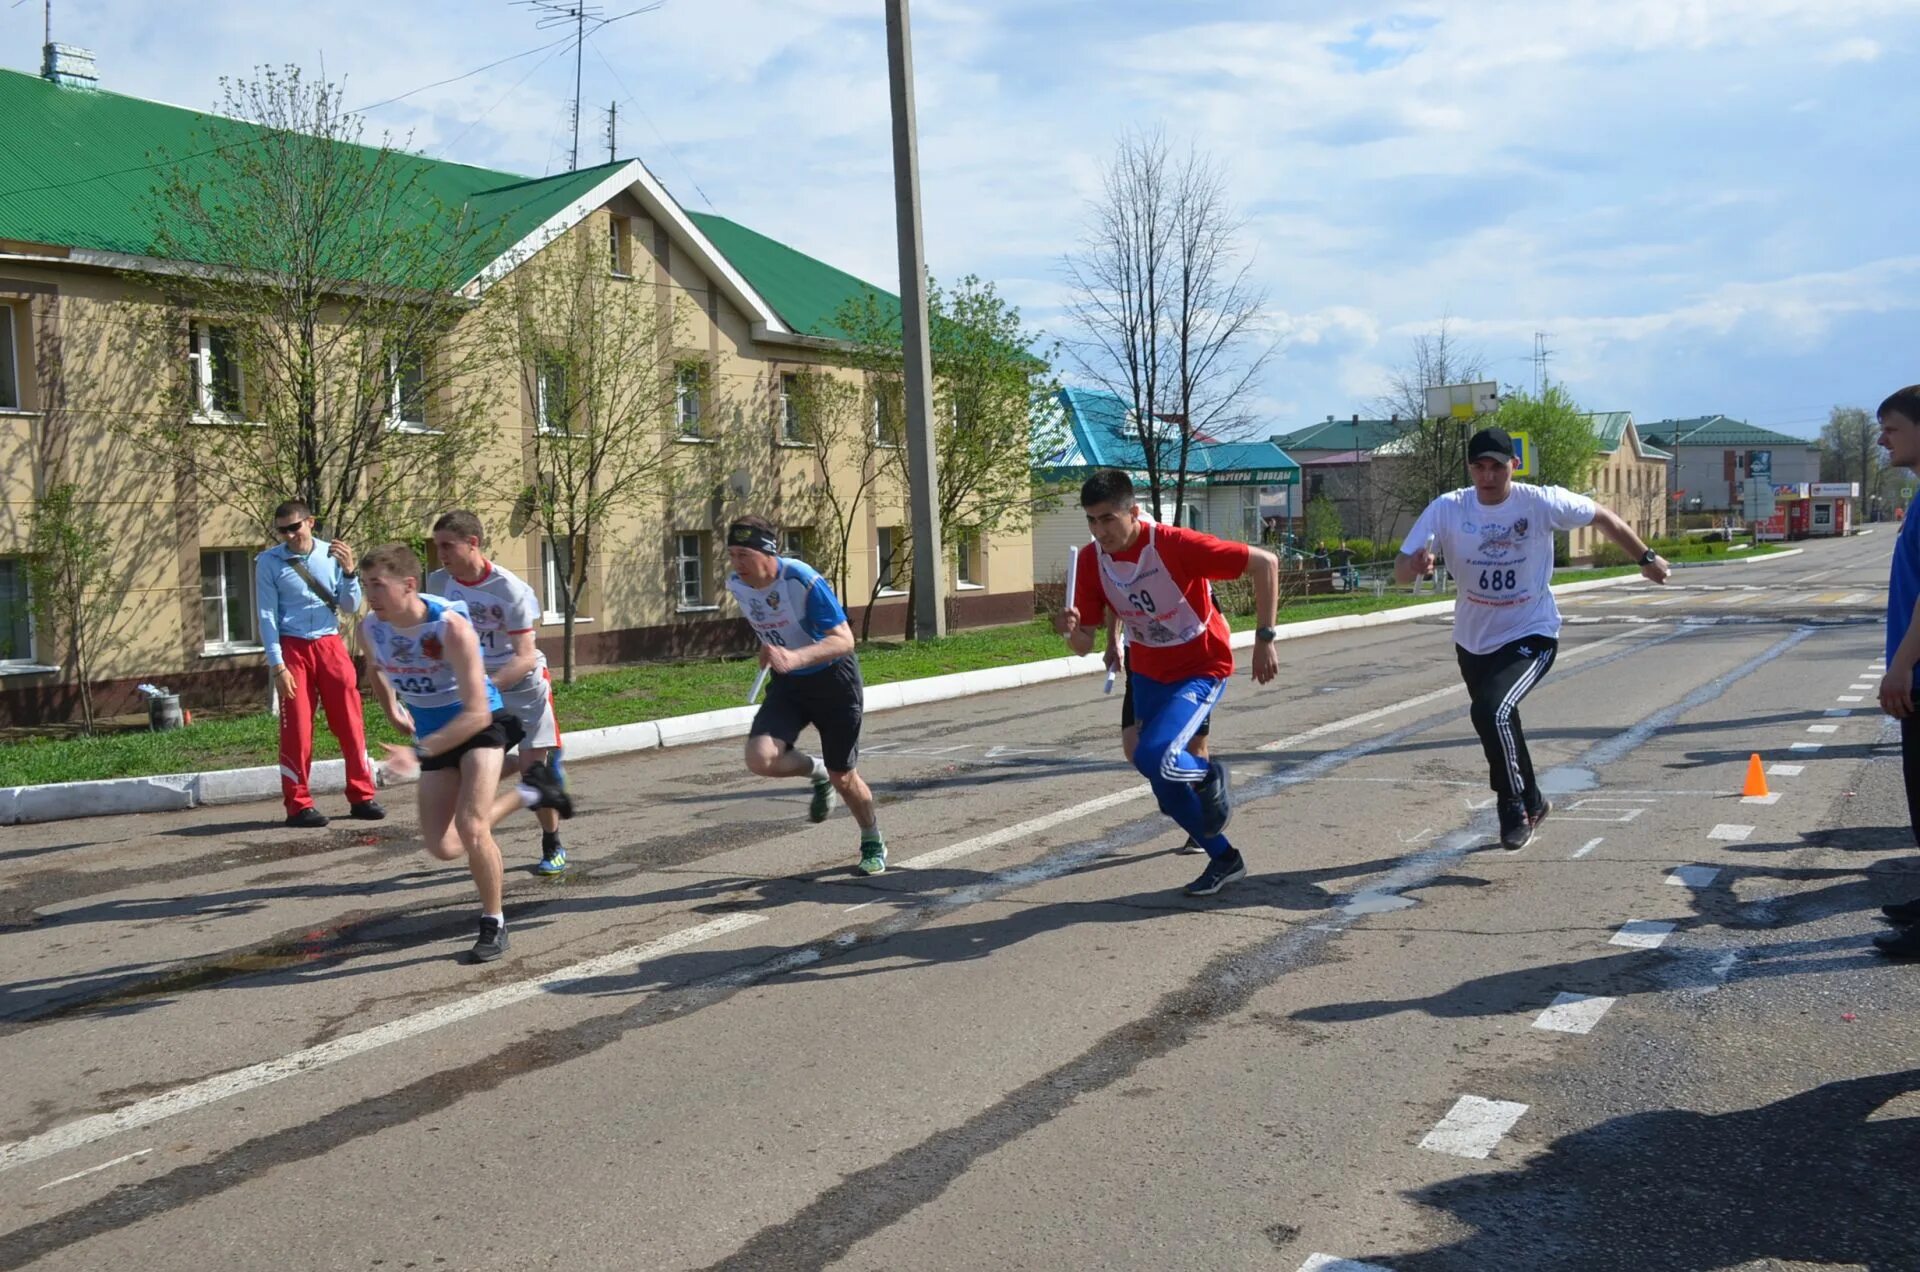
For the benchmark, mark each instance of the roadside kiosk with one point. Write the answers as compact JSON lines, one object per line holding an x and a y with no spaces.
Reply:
{"x":1810,"y":510}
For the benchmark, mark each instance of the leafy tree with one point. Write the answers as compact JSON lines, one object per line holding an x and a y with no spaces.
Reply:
{"x":1850,"y":450}
{"x":1430,"y":457}
{"x":70,"y":563}
{"x":1565,"y":448}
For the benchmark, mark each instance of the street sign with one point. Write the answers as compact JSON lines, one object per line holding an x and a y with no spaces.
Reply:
{"x":1756,"y":503}
{"x":1523,"y":452}
{"x":1760,"y":464}
{"x":1462,"y":401}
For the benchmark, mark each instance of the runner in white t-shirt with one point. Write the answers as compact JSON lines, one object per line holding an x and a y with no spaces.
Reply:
{"x":505,"y":612}
{"x":1497,"y":539}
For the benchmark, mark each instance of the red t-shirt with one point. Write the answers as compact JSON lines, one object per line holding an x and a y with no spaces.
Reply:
{"x":1191,"y":559}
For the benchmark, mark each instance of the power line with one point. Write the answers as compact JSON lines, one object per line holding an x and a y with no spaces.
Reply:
{"x":664,"y":145}
{"x":361,"y":110}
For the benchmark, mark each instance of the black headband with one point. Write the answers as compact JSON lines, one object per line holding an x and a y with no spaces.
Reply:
{"x":742,"y":535}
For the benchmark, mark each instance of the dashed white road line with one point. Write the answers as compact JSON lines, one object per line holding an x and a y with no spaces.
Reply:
{"x":1642,"y":934}
{"x":1851,"y":697}
{"x":1730,"y":832}
{"x":1785,"y":770}
{"x":1693,"y":876}
{"x":1771,"y":797}
{"x":1473,"y":1127}
{"x":1573,"y":1013}
{"x":93,"y":1170}
{"x":1864,"y":688}
{"x":1823,"y":728}
{"x":1587,"y":847}
{"x":966,"y":847}
{"x":237,"y":1081}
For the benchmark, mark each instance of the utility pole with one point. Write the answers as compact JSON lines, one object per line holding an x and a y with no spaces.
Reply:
{"x":613,"y":135}
{"x":1540,"y":355}
{"x":930,"y":608}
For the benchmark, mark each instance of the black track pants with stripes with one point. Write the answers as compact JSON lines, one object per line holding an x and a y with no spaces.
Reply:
{"x":1497,"y":681}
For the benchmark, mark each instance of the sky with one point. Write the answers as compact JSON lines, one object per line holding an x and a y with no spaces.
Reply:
{"x":1703,"y":204}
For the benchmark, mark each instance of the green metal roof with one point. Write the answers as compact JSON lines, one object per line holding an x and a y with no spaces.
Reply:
{"x":1343,"y":435}
{"x":805,"y":292}
{"x":1610,"y":429}
{"x":1718,"y":430}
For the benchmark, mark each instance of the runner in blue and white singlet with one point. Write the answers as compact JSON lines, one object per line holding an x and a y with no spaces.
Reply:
{"x":413,"y":659}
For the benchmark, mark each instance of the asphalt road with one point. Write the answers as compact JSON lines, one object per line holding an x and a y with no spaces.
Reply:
{"x":1655,"y":1039}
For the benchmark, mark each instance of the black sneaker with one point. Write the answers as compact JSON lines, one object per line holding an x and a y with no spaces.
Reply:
{"x":369,"y":811}
{"x":1902,"y":944}
{"x":308,"y":818}
{"x":1903,"y":911}
{"x":540,"y":779}
{"x":1538,"y":814}
{"x":493,"y":941}
{"x":1220,"y":872}
{"x":1216,"y":803}
{"x":1516,"y":828}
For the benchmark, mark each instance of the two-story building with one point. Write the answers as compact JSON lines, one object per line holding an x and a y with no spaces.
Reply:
{"x":1713,"y":456}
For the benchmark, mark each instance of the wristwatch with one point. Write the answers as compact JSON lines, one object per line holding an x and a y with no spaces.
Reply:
{"x":1649,"y":557}
{"x":1264,"y":635}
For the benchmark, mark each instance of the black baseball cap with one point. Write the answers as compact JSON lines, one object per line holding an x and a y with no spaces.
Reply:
{"x":1490,"y":441}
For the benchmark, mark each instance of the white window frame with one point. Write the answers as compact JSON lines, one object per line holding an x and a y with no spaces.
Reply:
{"x":686,"y":402}
{"x":967,"y":555}
{"x":886,"y":546}
{"x":550,"y":586}
{"x":1250,"y":524}
{"x":396,"y":395}
{"x":11,"y":399}
{"x":619,"y":247}
{"x":200,"y":359}
{"x":791,"y":432}
{"x":228,"y":643}
{"x":880,"y":437}
{"x":25,"y":661}
{"x":690,"y":566}
{"x":793,"y":542}
{"x":545,"y":370}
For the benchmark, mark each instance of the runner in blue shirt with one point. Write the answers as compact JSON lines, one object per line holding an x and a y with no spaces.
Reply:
{"x":1900,"y":435}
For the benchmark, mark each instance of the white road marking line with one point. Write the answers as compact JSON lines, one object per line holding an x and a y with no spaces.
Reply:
{"x":1866,"y":688}
{"x":967,"y":847}
{"x":1805,"y":746}
{"x":1855,"y":598}
{"x":93,"y":1170}
{"x":1771,"y":797}
{"x":1823,"y":728}
{"x":1642,"y":934}
{"x":1693,"y":876}
{"x":1587,"y":847}
{"x":1573,"y":1013}
{"x":237,"y":1081}
{"x":1334,"y":726}
{"x":1785,"y":770}
{"x":1850,"y":697}
{"x":1334,"y":1263}
{"x":863,"y":905}
{"x":1473,"y":1126}
{"x":1730,"y":832}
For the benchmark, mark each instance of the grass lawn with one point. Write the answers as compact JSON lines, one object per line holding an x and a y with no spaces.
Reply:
{"x":616,"y":695}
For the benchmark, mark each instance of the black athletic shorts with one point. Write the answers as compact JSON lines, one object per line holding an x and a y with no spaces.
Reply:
{"x":1126,"y":703}
{"x":831,"y":700}
{"x":503,"y":731}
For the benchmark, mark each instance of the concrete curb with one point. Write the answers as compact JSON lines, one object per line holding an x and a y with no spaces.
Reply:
{"x":59,"y":801}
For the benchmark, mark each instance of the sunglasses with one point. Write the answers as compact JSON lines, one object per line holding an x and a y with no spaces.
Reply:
{"x":292,"y":529}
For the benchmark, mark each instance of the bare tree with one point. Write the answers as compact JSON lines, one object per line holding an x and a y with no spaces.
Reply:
{"x":834,"y":418}
{"x":70,"y":563}
{"x":1850,"y":450}
{"x":311,"y":336}
{"x":1167,"y":312}
{"x":1431,"y":455}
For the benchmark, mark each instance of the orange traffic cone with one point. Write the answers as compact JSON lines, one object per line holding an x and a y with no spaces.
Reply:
{"x":1756,"y":778}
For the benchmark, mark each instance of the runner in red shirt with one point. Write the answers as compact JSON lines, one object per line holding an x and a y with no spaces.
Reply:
{"x":1154,"y":578}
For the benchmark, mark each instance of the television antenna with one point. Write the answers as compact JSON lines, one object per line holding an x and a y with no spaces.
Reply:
{"x":586,"y":20}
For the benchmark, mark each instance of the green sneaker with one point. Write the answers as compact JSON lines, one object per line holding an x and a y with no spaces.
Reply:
{"x":873,"y":857}
{"x":553,"y":863}
{"x":823,"y":798}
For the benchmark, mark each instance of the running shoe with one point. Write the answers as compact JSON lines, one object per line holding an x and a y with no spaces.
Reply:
{"x":1902,"y":944}
{"x":1216,"y":803}
{"x":1537,"y":815}
{"x":493,"y":940}
{"x":1189,"y":848}
{"x":823,"y":800}
{"x":1516,"y":828}
{"x":873,"y":858}
{"x":552,"y":863}
{"x":539,"y":779}
{"x":1220,"y":872}
{"x":1902,"y":911}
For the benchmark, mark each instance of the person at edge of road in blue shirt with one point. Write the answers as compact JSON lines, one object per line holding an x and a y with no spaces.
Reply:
{"x":308,"y":662}
{"x":432,"y":684}
{"x":1496,"y":536}
{"x":806,"y":649}
{"x":1900,"y":436}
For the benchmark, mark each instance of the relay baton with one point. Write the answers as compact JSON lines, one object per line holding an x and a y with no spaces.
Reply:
{"x":759,"y":682}
{"x":1073,"y":569}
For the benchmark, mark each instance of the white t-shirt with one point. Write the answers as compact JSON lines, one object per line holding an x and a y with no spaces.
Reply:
{"x":501,"y":606}
{"x":1501,"y":557}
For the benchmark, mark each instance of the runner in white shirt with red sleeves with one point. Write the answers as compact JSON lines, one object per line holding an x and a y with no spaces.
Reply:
{"x":505,"y":612}
{"x":1497,"y":539}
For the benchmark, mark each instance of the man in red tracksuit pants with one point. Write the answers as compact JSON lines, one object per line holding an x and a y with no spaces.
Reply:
{"x":303,"y":586}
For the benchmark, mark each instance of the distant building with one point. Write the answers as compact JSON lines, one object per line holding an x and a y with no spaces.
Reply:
{"x":1711,"y":455}
{"x":1631,"y":479}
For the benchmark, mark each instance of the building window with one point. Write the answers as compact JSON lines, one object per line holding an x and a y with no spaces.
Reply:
{"x":690,"y":570}
{"x":9,"y":362}
{"x":16,"y":613}
{"x":793,"y":543}
{"x":556,"y":568}
{"x":886,"y":420}
{"x":889,"y":561}
{"x":966,"y":560}
{"x":790,"y":430}
{"x":226,"y":600}
{"x":218,"y":390}
{"x":1250,"y":514}
{"x":551,"y":408}
{"x":686,"y":398}
{"x":620,"y":247}
{"x":407,"y":381}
